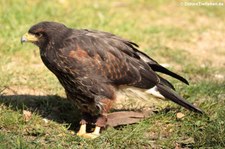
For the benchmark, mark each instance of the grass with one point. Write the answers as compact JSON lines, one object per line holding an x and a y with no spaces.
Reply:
{"x":190,"y":40}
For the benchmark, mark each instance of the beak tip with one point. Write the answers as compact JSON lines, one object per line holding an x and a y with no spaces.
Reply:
{"x":28,"y":38}
{"x":23,"y":39}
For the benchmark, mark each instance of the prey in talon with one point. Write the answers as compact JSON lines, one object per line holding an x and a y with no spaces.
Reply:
{"x":93,"y":66}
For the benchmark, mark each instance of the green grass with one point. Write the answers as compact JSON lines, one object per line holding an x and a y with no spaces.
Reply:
{"x":189,"y":39}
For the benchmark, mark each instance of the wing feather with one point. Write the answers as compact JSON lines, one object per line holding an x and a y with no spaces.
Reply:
{"x":117,"y":61}
{"x":131,"y":50}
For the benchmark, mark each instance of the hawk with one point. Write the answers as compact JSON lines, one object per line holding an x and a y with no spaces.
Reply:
{"x":93,"y":65}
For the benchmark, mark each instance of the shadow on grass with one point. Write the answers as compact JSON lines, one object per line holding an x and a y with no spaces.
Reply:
{"x":51,"y":107}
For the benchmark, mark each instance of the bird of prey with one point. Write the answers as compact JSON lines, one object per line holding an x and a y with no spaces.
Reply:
{"x":93,"y":65}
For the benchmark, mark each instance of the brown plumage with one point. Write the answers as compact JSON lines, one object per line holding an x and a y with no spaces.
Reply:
{"x":92,"y":65}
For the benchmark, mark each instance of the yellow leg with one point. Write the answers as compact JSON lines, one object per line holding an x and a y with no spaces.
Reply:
{"x":93,"y":135}
{"x":82,"y":130}
{"x":97,"y":130}
{"x":100,"y":122}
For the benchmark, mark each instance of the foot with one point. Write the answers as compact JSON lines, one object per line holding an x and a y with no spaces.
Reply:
{"x":93,"y":135}
{"x":90,"y":136}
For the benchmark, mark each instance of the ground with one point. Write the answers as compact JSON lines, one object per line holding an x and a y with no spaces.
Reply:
{"x":186,"y":39}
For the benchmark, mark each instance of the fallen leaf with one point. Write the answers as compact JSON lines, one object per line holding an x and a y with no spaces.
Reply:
{"x":27,"y":115}
{"x":45,"y":120}
{"x":180,"y":115}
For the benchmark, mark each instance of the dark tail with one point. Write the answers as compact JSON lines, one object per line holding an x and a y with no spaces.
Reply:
{"x":165,"y":82}
{"x":170,"y":94}
{"x":156,"y":67}
{"x":159,"y":68}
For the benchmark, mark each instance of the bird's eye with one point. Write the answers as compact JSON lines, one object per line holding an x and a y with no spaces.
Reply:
{"x":38,"y":34}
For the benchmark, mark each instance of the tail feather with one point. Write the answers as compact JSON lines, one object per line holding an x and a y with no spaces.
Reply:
{"x":159,"y":68}
{"x":166,"y":82}
{"x":156,"y":67}
{"x":170,"y":94}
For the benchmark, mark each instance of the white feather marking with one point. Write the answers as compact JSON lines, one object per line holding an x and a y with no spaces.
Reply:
{"x":154,"y":91}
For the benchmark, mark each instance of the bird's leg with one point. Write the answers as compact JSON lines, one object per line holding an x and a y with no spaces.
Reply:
{"x":83,"y":123}
{"x":82,"y":129}
{"x":97,"y":130}
{"x":100,"y":122}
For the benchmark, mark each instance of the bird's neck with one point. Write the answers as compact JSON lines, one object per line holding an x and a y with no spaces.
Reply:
{"x":48,"y":56}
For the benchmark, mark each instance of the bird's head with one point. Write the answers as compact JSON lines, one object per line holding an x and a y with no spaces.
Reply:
{"x":42,"y":33}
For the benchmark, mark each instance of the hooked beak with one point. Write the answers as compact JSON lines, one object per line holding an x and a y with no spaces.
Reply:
{"x":28,"y":38}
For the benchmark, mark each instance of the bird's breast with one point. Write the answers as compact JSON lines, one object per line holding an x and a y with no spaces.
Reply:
{"x":55,"y":60}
